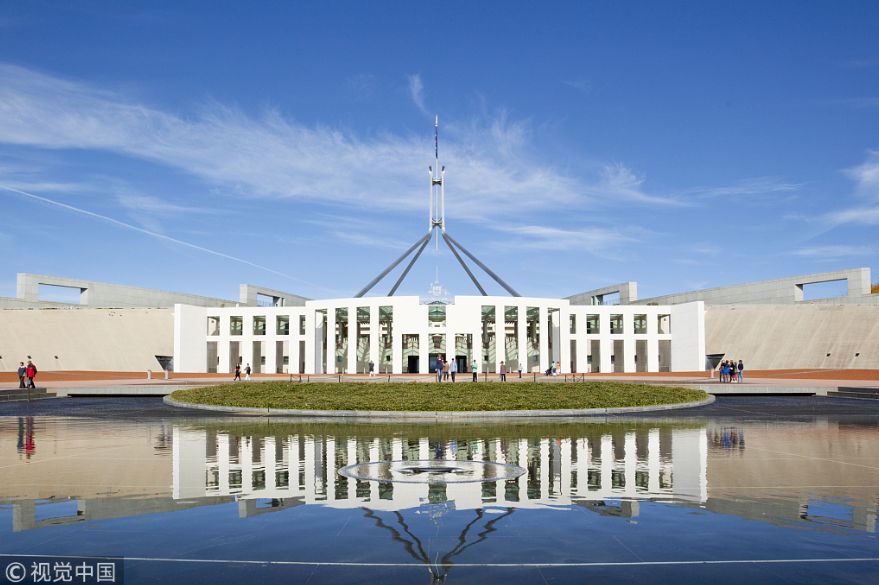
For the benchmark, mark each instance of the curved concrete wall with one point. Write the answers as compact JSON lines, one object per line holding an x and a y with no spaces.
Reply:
{"x":125,"y":340}
{"x":795,"y":336}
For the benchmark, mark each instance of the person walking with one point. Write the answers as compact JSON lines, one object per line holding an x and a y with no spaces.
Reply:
{"x":31,"y":373}
{"x":453,"y":368}
{"x":439,"y":368}
{"x":503,"y":372}
{"x":22,"y":372}
{"x":740,"y":369}
{"x":446,"y":370}
{"x":237,"y":377}
{"x":371,"y":369}
{"x":247,"y":373}
{"x":520,"y":368}
{"x":473,"y":369}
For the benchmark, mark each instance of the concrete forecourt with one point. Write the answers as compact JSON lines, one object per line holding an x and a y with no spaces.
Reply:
{"x":454,"y":401}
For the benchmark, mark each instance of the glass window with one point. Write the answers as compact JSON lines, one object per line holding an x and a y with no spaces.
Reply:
{"x":640,"y":324}
{"x":213,"y":325}
{"x":259,"y":325}
{"x":283,"y":325}
{"x":236,"y":325}
{"x":436,"y":315}
{"x":663,"y":324}
{"x":573,"y":325}
{"x":592,"y":324}
{"x":301,"y":324}
{"x":616,"y":324}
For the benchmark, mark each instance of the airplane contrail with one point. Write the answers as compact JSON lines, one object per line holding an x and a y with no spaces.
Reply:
{"x":153,"y":234}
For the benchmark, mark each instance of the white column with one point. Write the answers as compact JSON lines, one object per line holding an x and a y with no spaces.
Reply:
{"x":374,"y":337}
{"x":582,"y":466}
{"x":544,"y":469}
{"x":478,"y":352}
{"x":423,"y":353}
{"x":630,"y":462}
{"x":295,"y":464}
{"x":606,"y":350}
{"x":223,"y":462}
{"x":352,"y":340}
{"x":270,"y":464}
{"x":607,"y":462}
{"x":565,"y":479}
{"x":523,"y":463}
{"x":654,"y":468}
{"x":245,"y":456}
{"x":522,"y":317}
{"x":311,"y":360}
{"x":331,"y":341}
{"x":479,"y":451}
{"x":629,"y":351}
{"x":652,"y":353}
{"x":500,"y":337}
{"x":544,"y":331}
{"x":565,"y":339}
{"x":582,"y":344}
{"x":223,"y":352}
{"x":330,"y":466}
{"x":308,"y":465}
{"x":352,"y":459}
{"x":374,"y":455}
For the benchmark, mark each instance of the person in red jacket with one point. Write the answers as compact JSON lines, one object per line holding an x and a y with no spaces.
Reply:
{"x":31,"y":373}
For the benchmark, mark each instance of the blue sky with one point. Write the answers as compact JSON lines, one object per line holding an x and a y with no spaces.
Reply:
{"x":195,"y":146}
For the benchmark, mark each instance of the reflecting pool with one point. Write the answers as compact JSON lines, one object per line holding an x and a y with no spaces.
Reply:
{"x":650,"y":500}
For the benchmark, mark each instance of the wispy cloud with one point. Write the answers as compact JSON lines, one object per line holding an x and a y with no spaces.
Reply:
{"x":834,"y":252}
{"x":749,"y":187}
{"x":583,"y":86}
{"x":858,"y":103}
{"x":416,"y":92}
{"x":617,"y":181}
{"x":594,"y":240}
{"x":866,"y":189}
{"x":154,"y":205}
{"x":152,"y":234}
{"x":360,"y":232}
{"x":491,"y":163}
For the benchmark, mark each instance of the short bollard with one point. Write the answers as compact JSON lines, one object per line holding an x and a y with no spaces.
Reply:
{"x":167,"y":374}
{"x":149,"y":374}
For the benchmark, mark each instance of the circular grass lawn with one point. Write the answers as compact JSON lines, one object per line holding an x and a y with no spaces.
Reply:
{"x":412,"y":396}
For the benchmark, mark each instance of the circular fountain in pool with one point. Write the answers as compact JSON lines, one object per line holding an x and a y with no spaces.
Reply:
{"x":432,"y":471}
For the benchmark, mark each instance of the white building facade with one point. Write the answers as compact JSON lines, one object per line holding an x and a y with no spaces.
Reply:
{"x":404,"y":335}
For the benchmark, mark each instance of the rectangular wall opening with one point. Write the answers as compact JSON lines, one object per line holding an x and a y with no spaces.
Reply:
{"x":410,"y":353}
{"x":641,"y":355}
{"x":830,"y":289}
{"x":212,"y":359}
{"x":665,"y":355}
{"x":594,"y":357}
{"x":619,"y":356}
{"x":234,"y":355}
{"x":60,"y":294}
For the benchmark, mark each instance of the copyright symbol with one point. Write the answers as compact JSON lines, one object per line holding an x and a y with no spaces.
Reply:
{"x":15,"y":572}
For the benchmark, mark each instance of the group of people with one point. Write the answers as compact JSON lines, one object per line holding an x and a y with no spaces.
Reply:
{"x":446,"y":368}
{"x":247,"y":371}
{"x":553,"y":369}
{"x":730,"y":371}
{"x":28,"y":372}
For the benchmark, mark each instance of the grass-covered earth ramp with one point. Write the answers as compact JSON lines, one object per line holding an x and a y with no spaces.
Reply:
{"x":412,"y":396}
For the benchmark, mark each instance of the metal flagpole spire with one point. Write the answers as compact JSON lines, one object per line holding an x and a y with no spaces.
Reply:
{"x":437,"y":222}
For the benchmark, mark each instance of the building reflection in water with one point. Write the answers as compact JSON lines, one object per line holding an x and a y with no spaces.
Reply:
{"x":302,"y":469}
